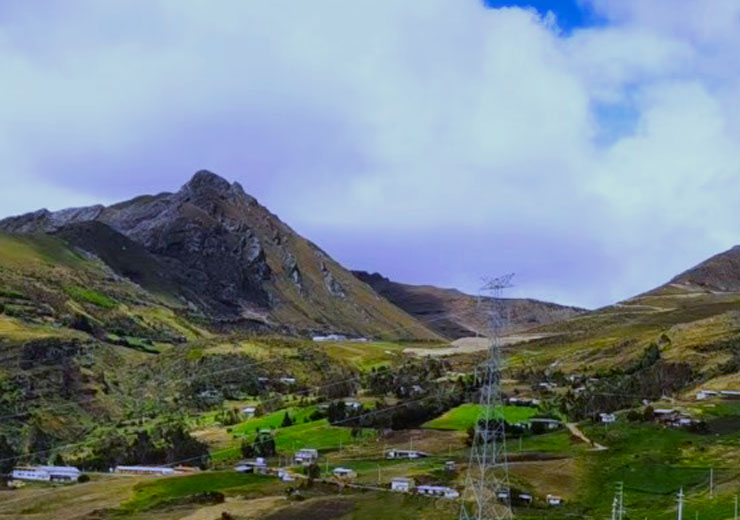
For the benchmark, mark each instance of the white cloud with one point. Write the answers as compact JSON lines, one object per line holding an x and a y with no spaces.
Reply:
{"x":461,"y":141}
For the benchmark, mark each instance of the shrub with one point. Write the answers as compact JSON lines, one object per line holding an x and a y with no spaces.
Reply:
{"x":81,"y":294}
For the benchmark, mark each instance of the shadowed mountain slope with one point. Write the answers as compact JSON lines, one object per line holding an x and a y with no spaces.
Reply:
{"x":455,"y":314}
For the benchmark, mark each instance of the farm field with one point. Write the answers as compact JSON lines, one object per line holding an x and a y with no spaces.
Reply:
{"x":465,"y":415}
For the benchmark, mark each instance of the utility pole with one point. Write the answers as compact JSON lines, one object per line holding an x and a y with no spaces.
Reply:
{"x":735,"y":507}
{"x":488,"y":467}
{"x":379,"y":475}
{"x":680,"y":504}
{"x":711,"y":482}
{"x":619,"y":498}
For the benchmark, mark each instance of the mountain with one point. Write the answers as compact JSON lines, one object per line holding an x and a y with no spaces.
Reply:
{"x":688,"y":326}
{"x":214,"y":250}
{"x":454,"y":314}
{"x":719,"y":273}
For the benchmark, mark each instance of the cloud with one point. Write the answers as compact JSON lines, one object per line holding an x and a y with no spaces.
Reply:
{"x":434,"y":141}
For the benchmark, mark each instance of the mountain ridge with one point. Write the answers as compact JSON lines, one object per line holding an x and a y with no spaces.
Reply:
{"x":216,"y":248}
{"x":455,"y":314}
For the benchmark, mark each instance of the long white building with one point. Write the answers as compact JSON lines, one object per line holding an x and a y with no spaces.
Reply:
{"x":47,"y":473}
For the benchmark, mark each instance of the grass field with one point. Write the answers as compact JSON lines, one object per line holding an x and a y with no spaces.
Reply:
{"x":314,"y":434}
{"x":465,"y":415}
{"x":364,"y":356}
{"x":148,"y":495}
{"x":272,"y":421}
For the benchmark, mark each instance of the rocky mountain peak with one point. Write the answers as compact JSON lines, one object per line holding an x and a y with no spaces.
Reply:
{"x":206,"y":185}
{"x":205,"y":180}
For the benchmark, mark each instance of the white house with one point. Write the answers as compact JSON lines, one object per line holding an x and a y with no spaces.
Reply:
{"x":523,"y":401}
{"x":526,"y":498}
{"x":730,"y":393}
{"x":405,"y":454}
{"x":306,"y":456}
{"x":608,"y":418}
{"x":402,"y":484}
{"x":705,"y":394}
{"x":352,"y":404}
{"x":437,"y":491}
{"x":47,"y":473}
{"x":554,"y":500}
{"x":285,"y":476}
{"x":450,"y":465}
{"x":145,"y":470}
{"x":288,"y":380}
{"x":344,"y":473}
{"x":249,"y":411}
{"x":504,"y":495}
{"x":256,"y":466}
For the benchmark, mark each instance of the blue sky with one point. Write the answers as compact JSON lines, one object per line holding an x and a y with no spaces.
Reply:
{"x":435,"y":142}
{"x":571,"y":14}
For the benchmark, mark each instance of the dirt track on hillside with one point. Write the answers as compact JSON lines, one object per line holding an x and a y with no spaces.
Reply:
{"x":472,"y":345}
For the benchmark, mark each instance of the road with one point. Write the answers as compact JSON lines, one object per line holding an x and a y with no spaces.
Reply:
{"x":576,"y":431}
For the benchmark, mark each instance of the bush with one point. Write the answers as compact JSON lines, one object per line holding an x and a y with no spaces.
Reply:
{"x":81,"y":294}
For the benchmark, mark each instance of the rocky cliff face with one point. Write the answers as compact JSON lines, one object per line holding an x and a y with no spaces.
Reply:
{"x":454,"y":314}
{"x":216,"y":248}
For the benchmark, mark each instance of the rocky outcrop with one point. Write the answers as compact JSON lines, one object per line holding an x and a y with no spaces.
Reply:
{"x":219,"y":250}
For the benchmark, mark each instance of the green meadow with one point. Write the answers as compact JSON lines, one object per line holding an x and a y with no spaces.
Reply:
{"x":465,"y":415}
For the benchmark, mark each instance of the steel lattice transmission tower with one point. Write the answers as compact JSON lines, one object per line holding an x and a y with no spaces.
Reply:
{"x":487,"y":495}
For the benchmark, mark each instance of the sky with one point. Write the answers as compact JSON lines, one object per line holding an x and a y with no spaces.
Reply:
{"x":590,"y":146}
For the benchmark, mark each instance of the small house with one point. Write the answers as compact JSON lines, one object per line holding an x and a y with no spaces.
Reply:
{"x":249,"y":411}
{"x":256,"y":466}
{"x":706,"y":394}
{"x":306,"y":456}
{"x":525,"y":498}
{"x":548,"y":424}
{"x":503,"y":495}
{"x":608,"y":418}
{"x":554,"y":500}
{"x":285,"y":475}
{"x":287,"y":380}
{"x":352,"y":404}
{"x":450,"y":465}
{"x":732,"y":394}
{"x":437,"y":491}
{"x":405,"y":454}
{"x":344,"y":473}
{"x":523,"y":401}
{"x":402,"y":484}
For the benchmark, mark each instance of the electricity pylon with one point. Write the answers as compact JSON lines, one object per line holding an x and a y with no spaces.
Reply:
{"x":487,"y":495}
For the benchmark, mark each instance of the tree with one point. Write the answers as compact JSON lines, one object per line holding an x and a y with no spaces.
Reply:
{"x":7,"y":458}
{"x":287,"y":421}
{"x":313,"y":472}
{"x":264,"y":445}
{"x":247,"y":449}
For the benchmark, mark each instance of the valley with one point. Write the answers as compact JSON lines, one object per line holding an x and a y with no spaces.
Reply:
{"x":243,"y":373}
